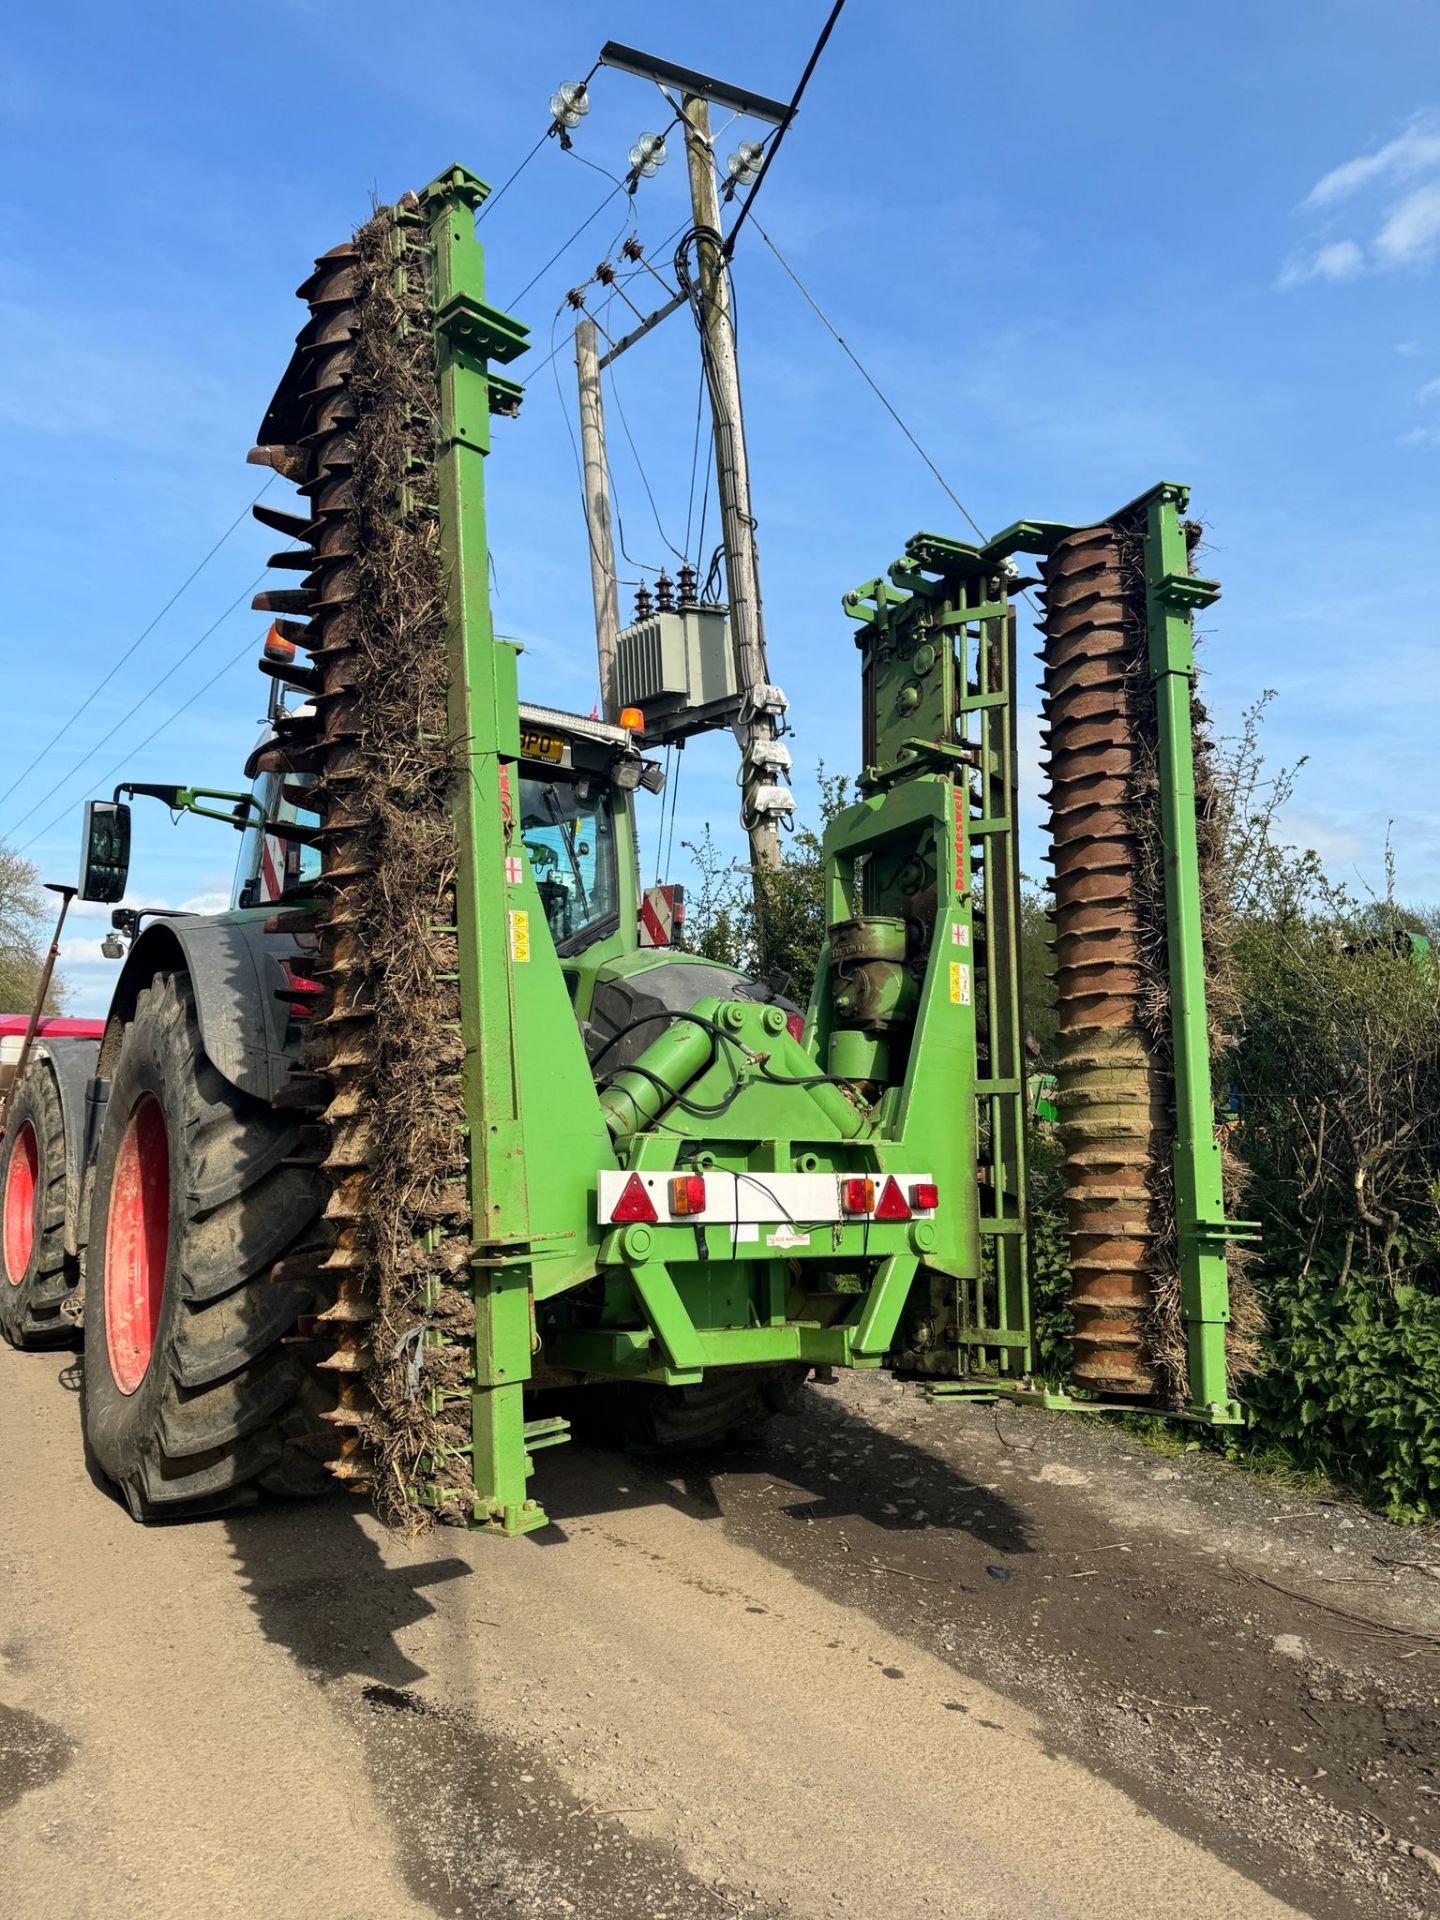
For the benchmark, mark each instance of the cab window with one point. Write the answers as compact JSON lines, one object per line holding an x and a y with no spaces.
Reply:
{"x":269,"y":864}
{"x":246,"y":890}
{"x":569,"y":836}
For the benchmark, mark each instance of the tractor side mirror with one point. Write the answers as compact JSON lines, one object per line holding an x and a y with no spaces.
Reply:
{"x":105,"y":854}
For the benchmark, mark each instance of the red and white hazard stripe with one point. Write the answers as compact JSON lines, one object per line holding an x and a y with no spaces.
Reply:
{"x":270,"y":868}
{"x":661,"y":911}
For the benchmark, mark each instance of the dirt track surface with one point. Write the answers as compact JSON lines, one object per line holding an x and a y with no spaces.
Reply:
{"x":904,"y":1660}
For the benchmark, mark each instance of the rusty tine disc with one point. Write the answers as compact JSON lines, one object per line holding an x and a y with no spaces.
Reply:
{"x":291,"y":526}
{"x":1110,"y":1094}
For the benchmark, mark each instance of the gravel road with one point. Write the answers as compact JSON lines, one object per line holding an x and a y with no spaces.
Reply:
{"x":901,"y":1660}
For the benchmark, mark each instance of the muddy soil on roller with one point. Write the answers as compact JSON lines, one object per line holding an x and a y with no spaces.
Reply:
{"x":903,"y":1659}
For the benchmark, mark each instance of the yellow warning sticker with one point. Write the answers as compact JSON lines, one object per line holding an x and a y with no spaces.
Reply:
{"x":519,"y":935}
{"x":959,"y":983}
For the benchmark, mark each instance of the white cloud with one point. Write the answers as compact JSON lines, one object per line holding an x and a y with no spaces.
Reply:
{"x":82,"y":953}
{"x":1411,"y":231}
{"x":1339,"y":260}
{"x":1430,"y":391}
{"x":1420,"y":437}
{"x":1408,"y":229}
{"x":1411,"y":153}
{"x":211,"y":900}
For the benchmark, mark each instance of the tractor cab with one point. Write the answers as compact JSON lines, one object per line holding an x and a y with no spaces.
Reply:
{"x":577,"y":828}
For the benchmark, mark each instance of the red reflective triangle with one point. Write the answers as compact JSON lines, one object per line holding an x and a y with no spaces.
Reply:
{"x":634,"y":1202}
{"x":892,"y":1204}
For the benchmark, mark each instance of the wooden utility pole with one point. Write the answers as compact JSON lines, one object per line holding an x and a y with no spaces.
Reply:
{"x":756,"y":729}
{"x":603,"y":583}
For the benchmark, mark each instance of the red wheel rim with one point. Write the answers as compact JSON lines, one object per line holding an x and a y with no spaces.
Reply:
{"x":137,"y":1239}
{"x":21,"y":1180}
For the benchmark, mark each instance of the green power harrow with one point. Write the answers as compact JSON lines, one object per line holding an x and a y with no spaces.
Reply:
{"x":505,"y":1216}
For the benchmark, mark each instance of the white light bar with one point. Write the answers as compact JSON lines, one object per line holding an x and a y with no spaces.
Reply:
{"x":758,"y":1199}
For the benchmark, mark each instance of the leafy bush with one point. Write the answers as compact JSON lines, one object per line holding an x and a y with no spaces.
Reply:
{"x":1350,"y":1385}
{"x":1337,"y":1064}
{"x":1052,"y":1321}
{"x":1337,"y":1070}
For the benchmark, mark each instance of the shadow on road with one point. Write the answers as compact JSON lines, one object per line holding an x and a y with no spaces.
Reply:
{"x":319,"y":1586}
{"x":846,"y":1468}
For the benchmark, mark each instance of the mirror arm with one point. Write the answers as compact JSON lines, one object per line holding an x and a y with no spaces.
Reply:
{"x":187,"y":800}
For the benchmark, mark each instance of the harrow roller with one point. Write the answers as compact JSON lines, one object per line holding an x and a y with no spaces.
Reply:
{"x":1114,"y":1114}
{"x":350,"y":424}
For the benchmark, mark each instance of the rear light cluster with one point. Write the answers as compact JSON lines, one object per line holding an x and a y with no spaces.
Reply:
{"x":687,"y":1196}
{"x":858,"y":1196}
{"x":297,"y":990}
{"x":687,"y":1193}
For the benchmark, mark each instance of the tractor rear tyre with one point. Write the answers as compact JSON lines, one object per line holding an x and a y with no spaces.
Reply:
{"x":191,"y":1396}
{"x":36,"y":1274}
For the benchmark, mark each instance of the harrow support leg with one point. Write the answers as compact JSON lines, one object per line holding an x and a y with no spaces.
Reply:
{"x":500,"y":1458}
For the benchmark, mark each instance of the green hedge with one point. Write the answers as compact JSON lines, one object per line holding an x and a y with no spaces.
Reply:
{"x":1349,"y":1385}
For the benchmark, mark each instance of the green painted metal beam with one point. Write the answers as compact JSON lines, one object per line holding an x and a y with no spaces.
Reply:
{"x":1172,"y":595}
{"x":484,"y":716}
{"x":628,"y":1354}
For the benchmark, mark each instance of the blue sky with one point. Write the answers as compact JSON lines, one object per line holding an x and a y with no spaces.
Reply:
{"x":1081,"y":249}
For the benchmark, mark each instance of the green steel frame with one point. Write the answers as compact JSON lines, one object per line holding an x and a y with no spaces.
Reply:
{"x":938,"y":652}
{"x":1173,"y":596}
{"x":912,"y":1058}
{"x":524,"y":1062}
{"x":929,"y":1074}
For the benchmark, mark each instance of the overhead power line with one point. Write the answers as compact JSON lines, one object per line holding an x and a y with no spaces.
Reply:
{"x":502,"y":190}
{"x":515,"y":300}
{"x":168,"y":674}
{"x":579,"y":466}
{"x":774,"y":146}
{"x":553,"y":127}
{"x":866,"y":376}
{"x":665,"y":539}
{"x":101,"y":685}
{"x":125,"y":758}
